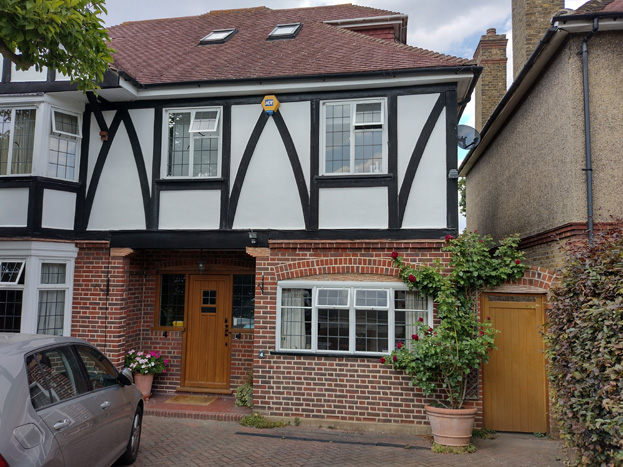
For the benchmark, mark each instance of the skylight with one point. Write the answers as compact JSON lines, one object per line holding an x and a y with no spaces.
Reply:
{"x":285,"y":31}
{"x":218,"y":36}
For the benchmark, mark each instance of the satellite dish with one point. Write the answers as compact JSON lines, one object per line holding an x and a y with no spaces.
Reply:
{"x":468,"y":137}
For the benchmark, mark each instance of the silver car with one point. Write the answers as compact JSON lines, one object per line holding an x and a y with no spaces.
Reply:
{"x":63,"y":403}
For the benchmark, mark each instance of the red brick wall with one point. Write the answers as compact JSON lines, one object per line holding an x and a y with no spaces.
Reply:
{"x":357,"y":389}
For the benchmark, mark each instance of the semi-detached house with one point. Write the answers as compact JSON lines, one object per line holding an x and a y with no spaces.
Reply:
{"x":231,"y":198}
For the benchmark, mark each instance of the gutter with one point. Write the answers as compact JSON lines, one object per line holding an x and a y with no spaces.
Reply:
{"x":587,"y":132}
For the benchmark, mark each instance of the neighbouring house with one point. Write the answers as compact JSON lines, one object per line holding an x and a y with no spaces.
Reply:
{"x":231,"y":198}
{"x":547,"y":167}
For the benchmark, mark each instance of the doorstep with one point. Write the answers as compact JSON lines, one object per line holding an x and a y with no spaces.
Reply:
{"x":222,"y":408}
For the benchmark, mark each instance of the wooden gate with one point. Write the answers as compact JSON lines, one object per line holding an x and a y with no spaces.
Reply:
{"x":515,"y":384}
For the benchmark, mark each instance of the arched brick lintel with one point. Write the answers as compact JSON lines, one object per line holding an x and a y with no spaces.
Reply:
{"x":534,"y":280}
{"x":338,"y":265}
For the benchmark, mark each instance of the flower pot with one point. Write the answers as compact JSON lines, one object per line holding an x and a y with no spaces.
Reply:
{"x":143,"y":383}
{"x":451,"y":427}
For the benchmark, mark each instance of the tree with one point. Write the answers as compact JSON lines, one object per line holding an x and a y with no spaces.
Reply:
{"x":67,"y":35}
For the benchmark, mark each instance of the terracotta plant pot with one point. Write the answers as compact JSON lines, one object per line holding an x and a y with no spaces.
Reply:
{"x":451,"y":427}
{"x":143,"y":383}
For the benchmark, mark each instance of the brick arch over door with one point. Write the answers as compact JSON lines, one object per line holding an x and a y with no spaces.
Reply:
{"x":535,"y":280}
{"x":337,"y":265}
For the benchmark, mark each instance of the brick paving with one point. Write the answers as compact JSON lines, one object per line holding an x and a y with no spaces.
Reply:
{"x":193,"y":442}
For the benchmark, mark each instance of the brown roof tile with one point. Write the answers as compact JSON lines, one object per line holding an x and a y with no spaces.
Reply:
{"x":167,"y":50}
{"x":600,"y":6}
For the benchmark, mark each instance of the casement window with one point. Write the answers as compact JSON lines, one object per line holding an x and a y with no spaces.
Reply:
{"x":349,"y":318}
{"x":193,"y":143}
{"x":354,"y":137}
{"x":64,"y":144}
{"x":17,"y":140}
{"x":36,"y":282}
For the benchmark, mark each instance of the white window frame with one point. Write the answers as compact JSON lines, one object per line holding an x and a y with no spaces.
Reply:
{"x":14,"y":108}
{"x":314,"y":286}
{"x":34,"y":254}
{"x":54,"y":287}
{"x":63,"y":135}
{"x":353,"y":129}
{"x":218,"y":36}
{"x":285,"y":31}
{"x":193,"y":135}
{"x":19,"y":274}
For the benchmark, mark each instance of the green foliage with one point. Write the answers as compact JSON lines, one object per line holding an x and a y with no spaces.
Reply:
{"x":244,"y":395}
{"x":256,"y":420}
{"x":444,"y":357}
{"x":484,"y":433}
{"x":66,"y":35}
{"x":462,"y":199}
{"x":584,"y":338}
{"x":442,"y":449}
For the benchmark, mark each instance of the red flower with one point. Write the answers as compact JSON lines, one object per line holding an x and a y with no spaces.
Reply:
{"x":420,"y":319}
{"x":430,"y":330}
{"x":394,"y":358}
{"x":488,"y":318}
{"x":482,"y":333}
{"x":480,"y":240}
{"x":394,"y":254}
{"x":399,"y":345}
{"x":382,"y":359}
{"x":449,"y":237}
{"x":412,"y":278}
{"x":517,"y":261}
{"x":415,"y":337}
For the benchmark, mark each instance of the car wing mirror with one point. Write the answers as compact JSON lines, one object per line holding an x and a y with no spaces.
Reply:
{"x":125,"y":378}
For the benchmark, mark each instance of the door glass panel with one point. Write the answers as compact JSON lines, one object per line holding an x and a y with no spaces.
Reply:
{"x":53,"y":376}
{"x":101,"y":372}
{"x":209,"y":297}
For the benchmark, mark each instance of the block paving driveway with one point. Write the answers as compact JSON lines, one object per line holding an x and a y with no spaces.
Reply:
{"x":190,"y":442}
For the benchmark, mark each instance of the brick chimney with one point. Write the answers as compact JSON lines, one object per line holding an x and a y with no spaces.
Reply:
{"x":491,"y":56}
{"x":531,"y":18}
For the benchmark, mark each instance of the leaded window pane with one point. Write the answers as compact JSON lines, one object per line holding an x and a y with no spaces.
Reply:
{"x":12,"y":272}
{"x":66,"y":123}
{"x":409,"y":308}
{"x":333,"y":329}
{"x":172,"y":298}
{"x":51,"y":312}
{"x":179,"y":144}
{"x":11,"y":310}
{"x":205,"y":157}
{"x":333,"y":297}
{"x":244,"y":301}
{"x":369,"y":113}
{"x":23,"y":141}
{"x":337,"y":141}
{"x":53,"y":273}
{"x":372,"y":331}
{"x":5,"y":136}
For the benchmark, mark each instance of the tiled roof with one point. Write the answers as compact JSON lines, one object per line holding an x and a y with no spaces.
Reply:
{"x":167,"y":51}
{"x":600,"y":6}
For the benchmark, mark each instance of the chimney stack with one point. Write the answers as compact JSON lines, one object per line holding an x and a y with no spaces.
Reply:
{"x":531,"y":18}
{"x":491,"y":87}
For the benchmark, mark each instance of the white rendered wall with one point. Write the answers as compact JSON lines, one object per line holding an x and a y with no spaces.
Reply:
{"x":243,"y":120}
{"x":426,"y":207}
{"x":59,"y":208}
{"x":143,"y":120}
{"x":351,"y":208}
{"x":296,"y":116}
{"x":14,"y":207}
{"x":21,"y":76}
{"x":269,"y":198}
{"x":197,"y":209}
{"x":118,"y":203}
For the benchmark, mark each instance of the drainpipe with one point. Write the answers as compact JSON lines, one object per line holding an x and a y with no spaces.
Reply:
{"x":587,"y":133}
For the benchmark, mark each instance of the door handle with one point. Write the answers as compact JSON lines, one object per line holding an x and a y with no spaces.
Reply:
{"x":105,"y":405}
{"x":62,"y":424}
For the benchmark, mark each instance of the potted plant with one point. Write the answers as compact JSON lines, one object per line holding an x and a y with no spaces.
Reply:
{"x":439,"y":360}
{"x":145,"y":365}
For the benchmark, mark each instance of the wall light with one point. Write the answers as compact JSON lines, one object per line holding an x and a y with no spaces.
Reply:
{"x":201,"y":265}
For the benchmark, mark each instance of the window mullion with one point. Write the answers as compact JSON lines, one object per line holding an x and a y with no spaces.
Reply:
{"x":314,"y":319}
{"x":353,"y":115}
{"x":352,"y":323}
{"x":9,"y":166}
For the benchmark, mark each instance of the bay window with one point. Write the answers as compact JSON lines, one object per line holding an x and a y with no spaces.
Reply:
{"x":349,"y":318}
{"x":17,"y":140}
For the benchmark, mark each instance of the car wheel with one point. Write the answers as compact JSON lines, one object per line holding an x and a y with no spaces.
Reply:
{"x":131,"y":451}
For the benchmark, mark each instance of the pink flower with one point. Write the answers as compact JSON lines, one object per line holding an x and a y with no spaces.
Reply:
{"x":449,"y":237}
{"x":382,"y":359}
{"x":412,"y":278}
{"x":415,"y":337}
{"x":394,"y":254}
{"x":394,"y":358}
{"x":420,"y":319}
{"x":399,"y":345}
{"x":517,"y":261}
{"x":166,"y":361}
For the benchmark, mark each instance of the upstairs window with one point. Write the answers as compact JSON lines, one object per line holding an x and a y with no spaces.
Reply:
{"x":284,"y":31}
{"x":194,"y":143}
{"x":17,"y":140}
{"x":64,"y":139}
{"x":354,"y":137}
{"x":218,"y":36}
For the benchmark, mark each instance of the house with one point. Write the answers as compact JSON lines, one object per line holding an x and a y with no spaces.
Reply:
{"x":547,"y":164}
{"x":231,"y":198}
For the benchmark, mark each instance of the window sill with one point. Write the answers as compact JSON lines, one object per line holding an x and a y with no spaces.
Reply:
{"x":362,"y":176}
{"x":289,"y":353}
{"x":190,"y":180}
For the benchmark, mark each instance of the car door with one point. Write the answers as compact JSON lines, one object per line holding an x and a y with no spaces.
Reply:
{"x":110,"y":402}
{"x":59,"y":394}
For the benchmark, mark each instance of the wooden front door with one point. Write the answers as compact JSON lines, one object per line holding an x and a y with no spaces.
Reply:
{"x":207,"y":355}
{"x":515,"y":385}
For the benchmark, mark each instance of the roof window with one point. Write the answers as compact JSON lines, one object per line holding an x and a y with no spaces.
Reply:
{"x":218,"y":36}
{"x":284,"y":31}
